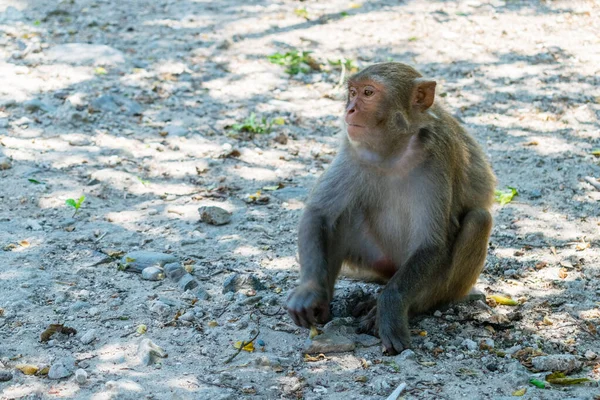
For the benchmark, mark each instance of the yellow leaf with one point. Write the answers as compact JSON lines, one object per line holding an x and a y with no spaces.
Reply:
{"x":314,"y":332}
{"x":503,"y":300}
{"x":423,"y":333}
{"x":27,"y":369}
{"x":213,"y":324}
{"x":24,"y":243}
{"x":278,"y":121}
{"x":189,"y":268}
{"x":582,"y":246}
{"x":355,"y":5}
{"x":141,"y":329}
{"x":547,"y":321}
{"x":596,"y":152}
{"x":562,"y":273}
{"x":100,"y":71}
{"x":519,"y":392}
{"x":309,"y":358}
{"x":249,"y":347}
{"x":277,"y":290}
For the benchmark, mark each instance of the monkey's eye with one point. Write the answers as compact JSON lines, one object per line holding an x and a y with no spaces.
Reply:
{"x":369,"y":92}
{"x":352,"y":92}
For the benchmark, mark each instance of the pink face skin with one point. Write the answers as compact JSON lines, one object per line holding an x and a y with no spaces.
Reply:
{"x":364,"y":97}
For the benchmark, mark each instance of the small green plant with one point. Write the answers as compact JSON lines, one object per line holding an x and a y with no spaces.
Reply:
{"x":505,"y":196}
{"x":301,"y":12}
{"x":75,"y":204}
{"x":295,"y":61}
{"x":346,"y":63}
{"x":252,"y":125}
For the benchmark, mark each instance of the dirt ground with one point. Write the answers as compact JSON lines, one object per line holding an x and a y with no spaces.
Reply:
{"x":134,"y":105}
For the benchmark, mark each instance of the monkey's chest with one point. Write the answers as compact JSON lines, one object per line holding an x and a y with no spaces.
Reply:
{"x":401,"y":224}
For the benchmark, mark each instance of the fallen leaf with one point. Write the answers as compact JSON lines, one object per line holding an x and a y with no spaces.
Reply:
{"x":559,"y":378}
{"x":248,"y":347}
{"x":314,"y":332}
{"x":596,"y":152}
{"x":504,"y":300}
{"x":141,"y":329}
{"x":319,"y":357}
{"x":519,"y":392}
{"x":538,"y":383}
{"x":563,"y":273}
{"x":427,"y":363}
{"x":541,"y":264}
{"x":27,"y":369}
{"x":547,"y":321}
{"x":361,"y":379}
{"x":505,"y":196}
{"x":24,"y":243}
{"x":355,"y":5}
{"x":213,"y":324}
{"x":532,"y":143}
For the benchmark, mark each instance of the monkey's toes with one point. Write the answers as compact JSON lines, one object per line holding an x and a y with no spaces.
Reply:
{"x":364,"y":308}
{"x":368,"y":323}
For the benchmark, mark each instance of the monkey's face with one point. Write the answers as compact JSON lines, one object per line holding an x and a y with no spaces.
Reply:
{"x":365,"y":111}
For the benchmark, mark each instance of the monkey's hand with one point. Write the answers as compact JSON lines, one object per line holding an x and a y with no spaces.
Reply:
{"x":308,"y":304}
{"x":392,"y":320}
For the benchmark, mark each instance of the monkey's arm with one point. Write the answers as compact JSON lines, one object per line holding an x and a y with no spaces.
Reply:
{"x":320,"y":256}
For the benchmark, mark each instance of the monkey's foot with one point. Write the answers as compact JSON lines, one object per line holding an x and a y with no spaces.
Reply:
{"x":368,"y":323}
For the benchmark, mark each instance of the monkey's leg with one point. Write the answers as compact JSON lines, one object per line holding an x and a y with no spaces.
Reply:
{"x":468,"y":258}
{"x":434,"y":275}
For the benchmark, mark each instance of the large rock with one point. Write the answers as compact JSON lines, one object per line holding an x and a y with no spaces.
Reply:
{"x":214,"y":215}
{"x":557,"y":362}
{"x":136,"y":261}
{"x":85,"y":54}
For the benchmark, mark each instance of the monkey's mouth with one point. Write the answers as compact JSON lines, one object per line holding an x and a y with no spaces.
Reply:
{"x":355,"y":126}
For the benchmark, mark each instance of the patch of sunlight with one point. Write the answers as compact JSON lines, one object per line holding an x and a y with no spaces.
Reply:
{"x":280,"y":263}
{"x":253,"y":173}
{"x":19,"y":83}
{"x":247,"y":251}
{"x":189,"y":383}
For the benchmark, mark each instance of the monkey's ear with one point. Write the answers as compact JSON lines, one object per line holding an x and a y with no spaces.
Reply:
{"x":423,"y":94}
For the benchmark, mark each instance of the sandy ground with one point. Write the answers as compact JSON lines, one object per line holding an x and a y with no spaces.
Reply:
{"x":132,"y":103}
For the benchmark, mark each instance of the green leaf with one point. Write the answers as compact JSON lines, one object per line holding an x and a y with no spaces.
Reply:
{"x":100,"y":71}
{"x":34,"y":181}
{"x":80,"y":201}
{"x":71,"y":202}
{"x":413,"y":39}
{"x":37,"y":22}
{"x":538,"y":383}
{"x":344,"y":14}
{"x":596,"y":152}
{"x":505,"y":196}
{"x":301,"y":12}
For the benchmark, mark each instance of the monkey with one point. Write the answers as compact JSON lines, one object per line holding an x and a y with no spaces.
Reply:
{"x":407,"y":198}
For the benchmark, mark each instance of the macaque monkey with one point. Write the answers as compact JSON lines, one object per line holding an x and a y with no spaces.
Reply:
{"x":406,"y":198}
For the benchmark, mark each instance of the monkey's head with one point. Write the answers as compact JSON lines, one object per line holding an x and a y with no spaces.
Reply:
{"x":387,"y":104}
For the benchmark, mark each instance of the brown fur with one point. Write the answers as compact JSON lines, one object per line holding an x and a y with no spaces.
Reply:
{"x":407,"y":196}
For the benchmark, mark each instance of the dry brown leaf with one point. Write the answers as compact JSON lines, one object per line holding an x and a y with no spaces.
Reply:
{"x":563,"y":273}
{"x":531,"y":143}
{"x":319,"y":357}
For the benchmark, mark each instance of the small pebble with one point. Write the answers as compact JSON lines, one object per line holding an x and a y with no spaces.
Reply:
{"x":556,"y":362}
{"x":5,"y":376}
{"x":153,"y":274}
{"x":62,"y":368}
{"x":88,"y":337}
{"x":590,"y":355}
{"x":407,"y":354}
{"x":469,"y":344}
{"x":81,"y":376}
{"x":437,"y":313}
{"x":260,"y":342}
{"x":148,"y":351}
